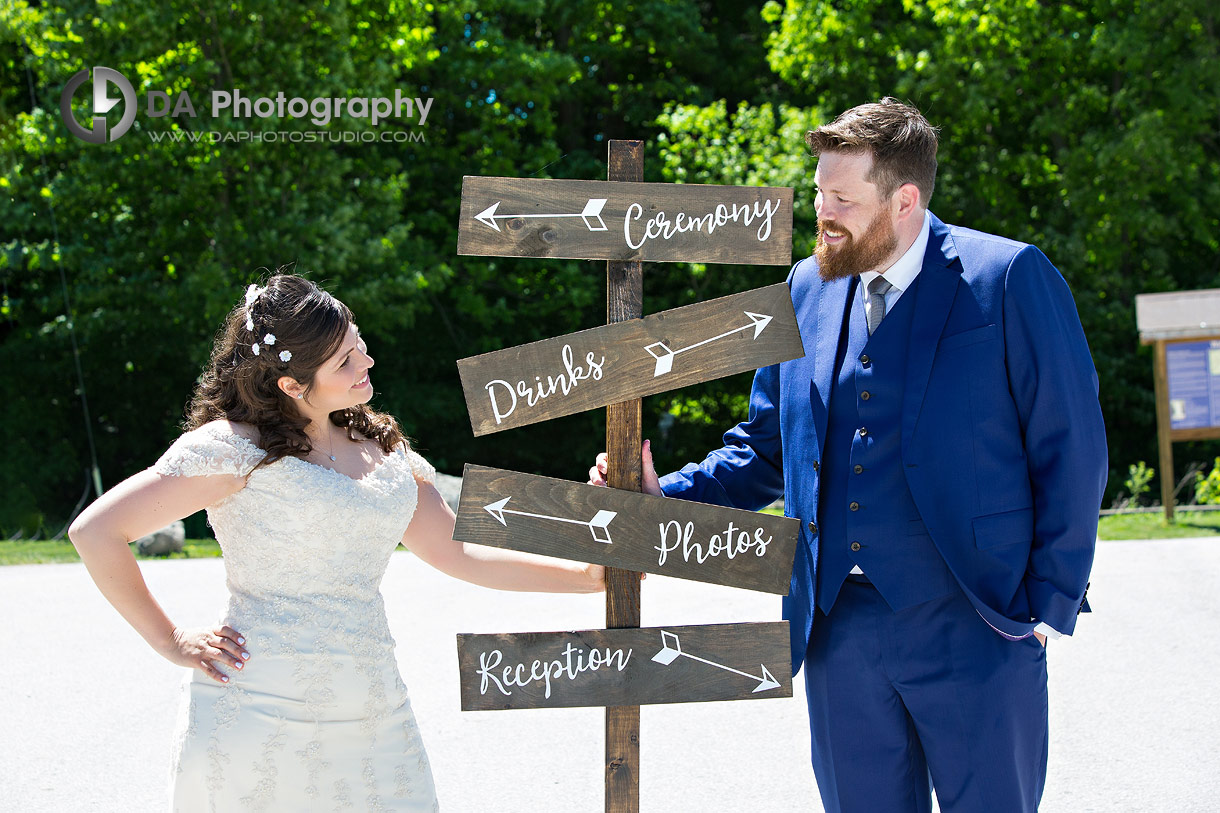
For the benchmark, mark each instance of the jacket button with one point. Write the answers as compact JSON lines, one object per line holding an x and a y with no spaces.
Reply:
{"x":855,"y":546}
{"x":865,"y":361}
{"x":816,"y":465}
{"x":855,"y":506}
{"x":857,"y":468}
{"x":864,"y":396}
{"x":813,"y":527}
{"x":863,"y":431}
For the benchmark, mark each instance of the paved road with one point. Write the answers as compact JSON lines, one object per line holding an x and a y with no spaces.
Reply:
{"x":87,"y":710}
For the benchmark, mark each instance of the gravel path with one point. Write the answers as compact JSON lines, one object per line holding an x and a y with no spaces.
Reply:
{"x":88,"y":709}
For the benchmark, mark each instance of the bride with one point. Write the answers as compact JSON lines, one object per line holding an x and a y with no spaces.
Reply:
{"x":295,"y":701}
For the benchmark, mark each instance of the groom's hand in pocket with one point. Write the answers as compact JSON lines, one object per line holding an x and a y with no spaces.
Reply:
{"x":650,"y":484}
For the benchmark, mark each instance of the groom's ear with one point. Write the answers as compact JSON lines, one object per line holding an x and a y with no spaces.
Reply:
{"x":906,"y":200}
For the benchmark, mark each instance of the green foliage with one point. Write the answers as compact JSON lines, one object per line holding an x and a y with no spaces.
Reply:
{"x":1207,"y":489}
{"x":1086,"y":128}
{"x":157,"y":238}
{"x":1139,"y":475}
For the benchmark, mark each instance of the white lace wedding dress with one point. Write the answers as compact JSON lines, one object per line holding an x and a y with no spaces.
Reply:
{"x":319,"y":717}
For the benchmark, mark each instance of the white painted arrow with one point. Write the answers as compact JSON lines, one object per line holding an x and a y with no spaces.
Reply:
{"x":665,"y":357}
{"x":592,"y":215}
{"x":598,"y":526}
{"x":671,"y":650}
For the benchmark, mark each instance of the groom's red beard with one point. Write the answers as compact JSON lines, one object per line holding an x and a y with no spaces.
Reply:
{"x":853,"y":257}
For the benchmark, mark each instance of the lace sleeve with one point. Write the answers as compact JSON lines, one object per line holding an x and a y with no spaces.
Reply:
{"x":422,"y":469}
{"x":210,"y":449}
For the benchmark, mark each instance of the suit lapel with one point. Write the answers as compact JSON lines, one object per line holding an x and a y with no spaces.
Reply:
{"x":938,"y":280}
{"x":832,"y":303}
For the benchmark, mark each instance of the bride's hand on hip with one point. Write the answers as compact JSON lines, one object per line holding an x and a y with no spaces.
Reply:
{"x":203,"y":648}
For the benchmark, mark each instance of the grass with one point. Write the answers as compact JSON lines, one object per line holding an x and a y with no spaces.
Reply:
{"x":1154,"y":526}
{"x":1142,"y":526}
{"x":48,"y":551}
{"x":1115,"y":526}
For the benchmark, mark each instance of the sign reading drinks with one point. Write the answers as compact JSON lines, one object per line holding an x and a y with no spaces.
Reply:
{"x":624,"y":667}
{"x":617,"y":362}
{"x":626,"y":529}
{"x":615,"y":220}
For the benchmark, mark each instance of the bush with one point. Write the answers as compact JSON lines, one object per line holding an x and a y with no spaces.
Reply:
{"x":1207,"y":489}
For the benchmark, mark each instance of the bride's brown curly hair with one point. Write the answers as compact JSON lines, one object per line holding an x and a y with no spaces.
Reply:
{"x":240,"y":385}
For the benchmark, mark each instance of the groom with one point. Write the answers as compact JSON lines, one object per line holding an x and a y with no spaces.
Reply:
{"x":943,"y":447}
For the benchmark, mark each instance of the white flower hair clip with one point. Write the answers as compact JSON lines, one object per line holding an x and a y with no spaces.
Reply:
{"x":252,"y":293}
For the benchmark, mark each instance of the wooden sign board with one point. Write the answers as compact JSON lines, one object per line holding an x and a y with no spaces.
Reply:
{"x":619,"y":220}
{"x":1193,"y":375}
{"x":624,"y":667}
{"x":627,"y":360}
{"x":625,"y":529}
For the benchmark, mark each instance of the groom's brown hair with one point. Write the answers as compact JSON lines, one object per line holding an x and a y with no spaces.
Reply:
{"x":902,"y":142}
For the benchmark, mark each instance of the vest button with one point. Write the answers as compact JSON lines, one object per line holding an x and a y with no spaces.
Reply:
{"x":813,"y":527}
{"x":855,"y":506}
{"x":855,"y":546}
{"x":864,"y":396}
{"x":857,"y":468}
{"x":816,"y":465}
{"x":863,"y":431}
{"x":865,"y":361}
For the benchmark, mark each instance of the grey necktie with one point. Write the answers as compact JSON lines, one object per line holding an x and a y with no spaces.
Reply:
{"x":876,"y":302}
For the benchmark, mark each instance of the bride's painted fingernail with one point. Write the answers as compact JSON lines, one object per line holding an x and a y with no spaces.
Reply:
{"x":245,"y":654}
{"x":240,"y":640}
{"x":224,"y":679}
{"x":236,"y":664}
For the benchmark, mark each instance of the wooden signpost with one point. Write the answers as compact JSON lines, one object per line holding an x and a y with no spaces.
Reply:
{"x":606,"y":526}
{"x":628,"y":360}
{"x":626,"y":222}
{"x":624,"y":667}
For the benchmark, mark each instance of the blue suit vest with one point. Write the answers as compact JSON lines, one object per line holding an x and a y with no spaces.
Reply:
{"x":867,"y":514}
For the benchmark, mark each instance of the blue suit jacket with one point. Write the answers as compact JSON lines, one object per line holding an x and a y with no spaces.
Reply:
{"x":1003,"y":444}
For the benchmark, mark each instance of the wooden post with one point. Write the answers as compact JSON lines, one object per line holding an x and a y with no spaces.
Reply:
{"x":1160,"y":379}
{"x":624,"y":432}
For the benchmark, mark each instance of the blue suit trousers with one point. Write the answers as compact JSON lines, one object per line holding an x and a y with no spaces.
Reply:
{"x":899,"y":701}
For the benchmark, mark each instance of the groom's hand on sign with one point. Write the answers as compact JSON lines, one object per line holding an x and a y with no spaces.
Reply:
{"x":650,"y":483}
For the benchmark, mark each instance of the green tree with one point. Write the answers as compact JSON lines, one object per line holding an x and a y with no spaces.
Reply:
{"x":157,"y":238}
{"x":1087,"y":128}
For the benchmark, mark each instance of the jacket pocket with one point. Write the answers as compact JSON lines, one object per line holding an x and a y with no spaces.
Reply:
{"x":1007,"y":528}
{"x":978,"y":334}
